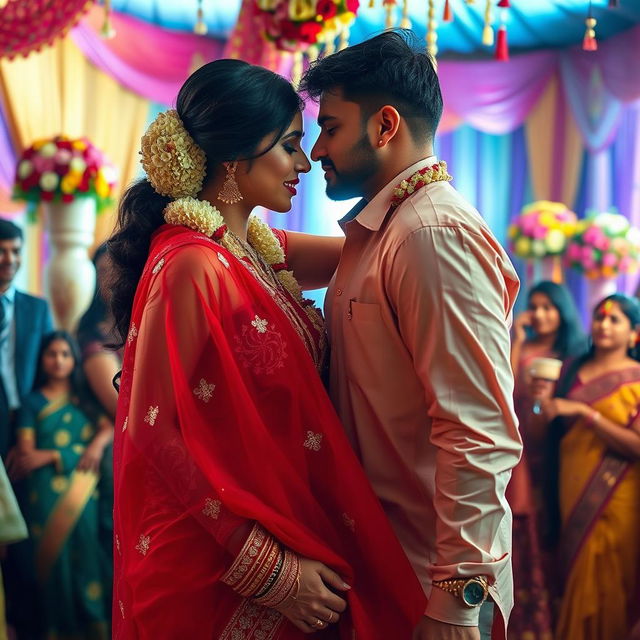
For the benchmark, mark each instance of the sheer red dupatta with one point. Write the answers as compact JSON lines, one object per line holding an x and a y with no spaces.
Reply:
{"x":222,"y":418}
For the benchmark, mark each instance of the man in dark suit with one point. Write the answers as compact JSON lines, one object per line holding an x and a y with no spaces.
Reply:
{"x":24,"y":320}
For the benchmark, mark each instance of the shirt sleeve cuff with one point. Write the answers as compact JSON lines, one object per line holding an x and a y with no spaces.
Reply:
{"x":446,"y":607}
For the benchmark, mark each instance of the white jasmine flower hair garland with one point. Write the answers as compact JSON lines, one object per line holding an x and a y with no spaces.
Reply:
{"x":174,"y":163}
{"x":176,"y":167}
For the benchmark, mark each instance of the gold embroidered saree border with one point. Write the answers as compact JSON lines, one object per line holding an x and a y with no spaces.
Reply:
{"x":62,"y":519}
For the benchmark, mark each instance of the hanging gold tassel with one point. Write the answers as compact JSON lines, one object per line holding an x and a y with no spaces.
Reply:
{"x":589,"y":42}
{"x":432,"y":34}
{"x":389,"y":6}
{"x":330,"y":44}
{"x":487,"y":31}
{"x":344,"y":38}
{"x":372,"y":4}
{"x":405,"y":23}
{"x":200,"y":27}
{"x":107,"y":31}
{"x":296,"y":68}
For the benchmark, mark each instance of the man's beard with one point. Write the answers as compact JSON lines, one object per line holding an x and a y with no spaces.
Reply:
{"x":349,"y":182}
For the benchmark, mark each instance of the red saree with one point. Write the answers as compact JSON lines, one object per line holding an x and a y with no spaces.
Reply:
{"x":222,"y":419}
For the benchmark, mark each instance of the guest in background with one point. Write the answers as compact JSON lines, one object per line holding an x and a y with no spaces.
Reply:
{"x":549,"y":328}
{"x":100,"y":364}
{"x":12,"y":529}
{"x":597,"y":438}
{"x":24,"y":319}
{"x":57,"y":427}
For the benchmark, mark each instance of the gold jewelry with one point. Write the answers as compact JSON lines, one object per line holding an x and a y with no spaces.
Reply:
{"x":330,"y":616}
{"x":472,"y":591}
{"x":318,"y":624}
{"x":201,"y":216}
{"x":230,"y":192}
{"x":594,"y":417}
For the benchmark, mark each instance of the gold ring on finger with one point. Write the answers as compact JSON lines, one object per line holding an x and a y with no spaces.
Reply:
{"x":318,"y":623}
{"x":330,"y":616}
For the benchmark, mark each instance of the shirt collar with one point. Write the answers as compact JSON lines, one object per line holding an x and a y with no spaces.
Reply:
{"x":10,"y":294}
{"x":371,"y":214}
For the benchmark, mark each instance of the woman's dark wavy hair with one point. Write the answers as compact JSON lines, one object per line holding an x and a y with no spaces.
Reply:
{"x":571,"y":340}
{"x":228,"y":107}
{"x":90,"y":325}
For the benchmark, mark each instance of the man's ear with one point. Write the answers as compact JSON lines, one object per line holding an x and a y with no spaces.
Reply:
{"x":387,"y":122}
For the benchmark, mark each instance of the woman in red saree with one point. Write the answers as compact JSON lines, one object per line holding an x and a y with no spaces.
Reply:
{"x":240,"y":509}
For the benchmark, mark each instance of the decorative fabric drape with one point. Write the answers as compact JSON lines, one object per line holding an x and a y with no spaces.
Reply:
{"x":76,"y":99}
{"x":494,"y":97}
{"x":151,"y":62}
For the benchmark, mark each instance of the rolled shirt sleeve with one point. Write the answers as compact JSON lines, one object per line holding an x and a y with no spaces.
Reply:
{"x":451,"y":288}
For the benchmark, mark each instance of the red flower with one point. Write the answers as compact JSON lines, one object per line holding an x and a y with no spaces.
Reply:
{"x":47,"y":196}
{"x":84,"y":184}
{"x":289,"y":30}
{"x":309,"y":32}
{"x":67,"y":197}
{"x":327,"y":9}
{"x":30,"y":181}
{"x":64,"y":144}
{"x":353,"y":5}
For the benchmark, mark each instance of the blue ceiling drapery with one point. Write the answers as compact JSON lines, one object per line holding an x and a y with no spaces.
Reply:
{"x":532,"y":24}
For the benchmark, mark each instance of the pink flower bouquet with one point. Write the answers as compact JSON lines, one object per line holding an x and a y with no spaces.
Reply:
{"x":605,"y":245}
{"x":542,"y":229}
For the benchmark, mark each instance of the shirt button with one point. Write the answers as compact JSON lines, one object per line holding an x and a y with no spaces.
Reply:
{"x":338,"y":292}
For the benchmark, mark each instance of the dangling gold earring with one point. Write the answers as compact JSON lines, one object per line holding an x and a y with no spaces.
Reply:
{"x":230,"y":193}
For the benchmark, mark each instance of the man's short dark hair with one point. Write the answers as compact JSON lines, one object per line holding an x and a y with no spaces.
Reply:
{"x":9,"y":231}
{"x":391,"y":69}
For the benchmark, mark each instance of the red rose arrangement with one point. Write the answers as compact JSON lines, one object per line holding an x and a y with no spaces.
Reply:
{"x":296,"y":25}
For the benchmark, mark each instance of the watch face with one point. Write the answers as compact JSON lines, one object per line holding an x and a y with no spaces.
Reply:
{"x":473,"y":593}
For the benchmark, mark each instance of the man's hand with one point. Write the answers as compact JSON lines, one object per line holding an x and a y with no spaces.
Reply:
{"x":315,"y":606}
{"x":430,"y":629}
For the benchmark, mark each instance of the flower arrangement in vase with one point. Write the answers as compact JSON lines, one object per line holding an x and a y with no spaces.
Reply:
{"x":61,"y":169}
{"x":605,"y":245}
{"x":542,"y":229}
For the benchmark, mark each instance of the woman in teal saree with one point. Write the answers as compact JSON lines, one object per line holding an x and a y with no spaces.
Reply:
{"x":56,"y":457}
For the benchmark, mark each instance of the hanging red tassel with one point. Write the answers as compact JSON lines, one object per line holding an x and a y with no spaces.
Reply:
{"x":448,"y":14}
{"x":589,"y":43}
{"x":502,"y":48}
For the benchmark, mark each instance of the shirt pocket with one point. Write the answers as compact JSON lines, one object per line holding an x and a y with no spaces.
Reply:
{"x":368,"y":345}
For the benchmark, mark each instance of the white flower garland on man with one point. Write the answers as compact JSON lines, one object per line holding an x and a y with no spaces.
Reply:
{"x":176,"y":167}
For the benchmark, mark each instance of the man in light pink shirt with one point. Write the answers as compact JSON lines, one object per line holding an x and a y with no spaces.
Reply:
{"x":418,"y":315}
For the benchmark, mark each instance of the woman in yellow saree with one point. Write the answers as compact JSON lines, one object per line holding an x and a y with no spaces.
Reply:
{"x":599,"y":477}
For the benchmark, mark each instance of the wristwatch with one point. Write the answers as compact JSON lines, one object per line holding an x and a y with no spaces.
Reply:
{"x":472,"y":591}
